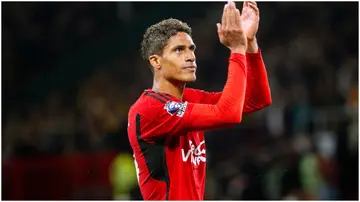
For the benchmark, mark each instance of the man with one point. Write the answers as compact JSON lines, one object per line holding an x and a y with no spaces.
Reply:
{"x":166,"y":123}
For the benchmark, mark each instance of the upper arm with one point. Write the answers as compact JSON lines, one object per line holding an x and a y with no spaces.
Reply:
{"x":175,"y":118}
{"x":163,"y":119}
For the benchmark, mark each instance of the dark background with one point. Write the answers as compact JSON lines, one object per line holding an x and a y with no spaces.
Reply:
{"x":70,"y":72}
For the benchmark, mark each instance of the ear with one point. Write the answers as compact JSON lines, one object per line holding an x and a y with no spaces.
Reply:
{"x":155,"y":61}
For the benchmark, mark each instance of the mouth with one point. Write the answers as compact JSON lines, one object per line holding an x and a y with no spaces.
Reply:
{"x":191,"y":67}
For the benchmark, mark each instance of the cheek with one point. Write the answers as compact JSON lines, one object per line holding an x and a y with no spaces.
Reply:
{"x":172,"y":67}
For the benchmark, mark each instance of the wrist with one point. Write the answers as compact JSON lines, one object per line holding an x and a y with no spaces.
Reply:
{"x":240,"y":50}
{"x":252,"y":46}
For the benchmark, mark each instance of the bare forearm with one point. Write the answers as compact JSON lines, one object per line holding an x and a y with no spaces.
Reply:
{"x":252,"y":46}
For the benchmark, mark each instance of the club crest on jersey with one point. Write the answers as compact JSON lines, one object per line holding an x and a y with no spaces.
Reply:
{"x":172,"y":107}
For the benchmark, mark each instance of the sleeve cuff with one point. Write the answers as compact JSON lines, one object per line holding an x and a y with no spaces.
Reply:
{"x":237,"y":56}
{"x":257,"y":54}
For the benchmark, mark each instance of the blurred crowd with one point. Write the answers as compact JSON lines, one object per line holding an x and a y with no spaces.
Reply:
{"x":35,"y":36}
{"x":304,"y":146}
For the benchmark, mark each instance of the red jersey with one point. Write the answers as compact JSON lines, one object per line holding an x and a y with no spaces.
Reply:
{"x":166,"y":133}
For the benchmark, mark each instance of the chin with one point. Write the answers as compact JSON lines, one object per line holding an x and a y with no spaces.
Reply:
{"x":185,"y":78}
{"x":190,"y":79}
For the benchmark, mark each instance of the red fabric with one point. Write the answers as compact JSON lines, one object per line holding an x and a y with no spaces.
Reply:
{"x":258,"y":93}
{"x":166,"y":135}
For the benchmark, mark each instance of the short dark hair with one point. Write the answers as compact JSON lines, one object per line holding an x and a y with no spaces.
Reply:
{"x":156,"y":36}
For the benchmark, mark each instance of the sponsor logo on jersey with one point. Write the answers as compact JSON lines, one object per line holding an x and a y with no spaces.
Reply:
{"x":172,"y":107}
{"x":182,"y":110}
{"x":196,"y":154}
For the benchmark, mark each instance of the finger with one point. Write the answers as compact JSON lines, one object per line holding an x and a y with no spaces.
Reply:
{"x":252,"y":2}
{"x":232,"y":13}
{"x":233,"y":4}
{"x":245,"y":4}
{"x":227,"y":17}
{"x":237,"y":19}
{"x":219,"y":30}
{"x":255,"y":8}
{"x":223,"y":18}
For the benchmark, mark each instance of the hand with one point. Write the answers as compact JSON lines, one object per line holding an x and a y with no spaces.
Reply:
{"x":230,"y":31}
{"x":250,"y":18}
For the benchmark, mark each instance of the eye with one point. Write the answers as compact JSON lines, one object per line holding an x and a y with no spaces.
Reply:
{"x":178,"y":50}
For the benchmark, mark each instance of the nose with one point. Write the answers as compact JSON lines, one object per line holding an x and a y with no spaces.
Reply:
{"x":190,"y":57}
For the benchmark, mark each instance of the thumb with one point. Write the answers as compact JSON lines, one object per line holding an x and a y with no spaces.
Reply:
{"x":219,"y":27}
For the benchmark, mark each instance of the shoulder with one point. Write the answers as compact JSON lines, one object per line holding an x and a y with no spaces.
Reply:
{"x":145,"y":105}
{"x":192,"y":90}
{"x":152,"y":105}
{"x":193,"y":95}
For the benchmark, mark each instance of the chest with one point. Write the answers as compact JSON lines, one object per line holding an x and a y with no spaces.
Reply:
{"x":190,"y":148}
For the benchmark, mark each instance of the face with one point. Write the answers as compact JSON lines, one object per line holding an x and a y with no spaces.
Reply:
{"x":178,"y":61}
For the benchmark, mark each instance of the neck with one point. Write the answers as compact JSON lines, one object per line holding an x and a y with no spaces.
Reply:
{"x":175,"y":89}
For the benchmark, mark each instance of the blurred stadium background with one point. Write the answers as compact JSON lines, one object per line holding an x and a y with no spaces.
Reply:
{"x":70,"y":71}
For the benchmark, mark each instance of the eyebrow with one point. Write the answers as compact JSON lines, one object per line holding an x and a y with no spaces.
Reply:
{"x":191,"y":47}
